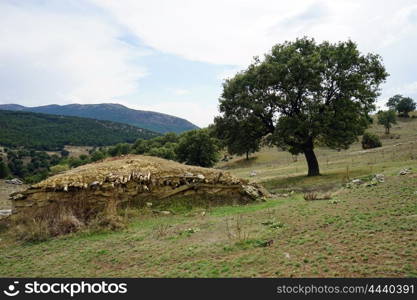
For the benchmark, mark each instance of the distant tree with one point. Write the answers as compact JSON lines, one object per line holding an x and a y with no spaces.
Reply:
{"x":240,"y":138}
{"x":403,"y":105}
{"x":64,"y":153}
{"x":197,"y":147}
{"x":97,"y":155}
{"x":370,"y":140}
{"x":387,"y":118}
{"x":119,"y":149}
{"x":4,"y":170}
{"x":166,"y":152}
{"x":393,"y":102}
{"x":304,"y":93}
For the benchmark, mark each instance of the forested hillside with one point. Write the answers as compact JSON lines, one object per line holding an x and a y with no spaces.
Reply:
{"x":153,"y":121}
{"x":51,"y":132}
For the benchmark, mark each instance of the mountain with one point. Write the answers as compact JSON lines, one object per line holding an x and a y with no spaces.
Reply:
{"x":51,"y":132}
{"x":153,"y":121}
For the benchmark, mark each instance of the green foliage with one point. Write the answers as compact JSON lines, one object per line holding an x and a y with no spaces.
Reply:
{"x":239,"y":137}
{"x":403,"y":105}
{"x":50,"y":132}
{"x":197,"y":147}
{"x":393,"y":102}
{"x":119,"y":149}
{"x":303,"y":93}
{"x":97,"y":155}
{"x":59,"y":168}
{"x":370,"y":140}
{"x":387,"y":118}
{"x":4,"y":170}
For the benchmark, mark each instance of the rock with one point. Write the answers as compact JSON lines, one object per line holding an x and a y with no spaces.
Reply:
{"x":14,"y":181}
{"x":287,"y":255}
{"x":201,"y":176}
{"x":149,"y":204}
{"x":252,"y":191}
{"x":405,"y":171}
{"x":252,"y":173}
{"x":5,"y":212}
{"x":165,"y":212}
{"x":203,"y":213}
{"x":357,"y":181}
{"x":379,"y":177}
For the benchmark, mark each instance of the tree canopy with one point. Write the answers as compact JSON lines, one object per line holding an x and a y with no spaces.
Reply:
{"x":387,"y":118}
{"x":197,"y":147}
{"x":303,"y":93}
{"x":403,"y":105}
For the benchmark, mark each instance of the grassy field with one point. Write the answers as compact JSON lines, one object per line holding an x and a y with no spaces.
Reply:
{"x":365,"y":231}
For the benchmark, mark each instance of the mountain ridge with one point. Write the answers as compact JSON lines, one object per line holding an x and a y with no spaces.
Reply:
{"x":154,"y":121}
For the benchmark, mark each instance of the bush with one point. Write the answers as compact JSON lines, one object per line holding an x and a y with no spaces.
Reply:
{"x":197,"y":147}
{"x":59,"y":169}
{"x":370,"y":141}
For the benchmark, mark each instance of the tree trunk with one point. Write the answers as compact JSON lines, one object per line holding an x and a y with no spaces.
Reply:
{"x":313,"y":165}
{"x":247,"y":155}
{"x":386,"y":130}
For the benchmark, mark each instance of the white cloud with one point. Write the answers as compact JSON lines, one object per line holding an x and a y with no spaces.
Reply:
{"x":233,"y":31}
{"x":180,"y":92}
{"x":74,"y":51}
{"x":60,"y":57}
{"x":228,"y":73}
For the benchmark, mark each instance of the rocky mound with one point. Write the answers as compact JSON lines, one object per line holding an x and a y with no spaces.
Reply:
{"x":133,"y":180}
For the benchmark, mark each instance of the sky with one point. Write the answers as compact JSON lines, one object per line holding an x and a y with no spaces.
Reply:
{"x":172,"y":56}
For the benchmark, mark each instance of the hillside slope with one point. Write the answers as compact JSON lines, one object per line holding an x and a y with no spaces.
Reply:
{"x":50,"y":132}
{"x":153,"y":121}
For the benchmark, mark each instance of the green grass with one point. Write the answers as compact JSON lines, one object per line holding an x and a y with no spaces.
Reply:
{"x":361,"y":232}
{"x":371,"y":231}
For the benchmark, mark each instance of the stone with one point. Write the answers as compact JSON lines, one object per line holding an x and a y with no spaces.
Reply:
{"x":5,"y":212}
{"x":14,"y":181}
{"x":252,"y":174}
{"x":357,"y":181}
{"x":404,"y":171}
{"x":379,"y":177}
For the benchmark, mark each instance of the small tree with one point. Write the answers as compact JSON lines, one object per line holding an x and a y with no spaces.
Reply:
{"x":197,"y":147}
{"x":387,"y":118}
{"x":403,"y":105}
{"x":239,"y":137}
{"x":393,"y":102}
{"x":370,"y":141}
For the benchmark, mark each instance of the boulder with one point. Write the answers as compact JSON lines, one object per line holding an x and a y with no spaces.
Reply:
{"x":405,"y":171}
{"x":14,"y":181}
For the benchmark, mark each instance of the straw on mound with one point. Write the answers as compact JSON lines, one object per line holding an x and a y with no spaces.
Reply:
{"x":135,"y":179}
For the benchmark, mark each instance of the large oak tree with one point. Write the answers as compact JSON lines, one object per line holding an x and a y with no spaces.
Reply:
{"x":303,"y":94}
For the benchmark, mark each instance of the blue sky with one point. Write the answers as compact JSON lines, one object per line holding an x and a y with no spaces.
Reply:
{"x":172,"y":56}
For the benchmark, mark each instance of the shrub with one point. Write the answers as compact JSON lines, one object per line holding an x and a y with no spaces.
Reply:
{"x":59,"y":169}
{"x":370,"y":141}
